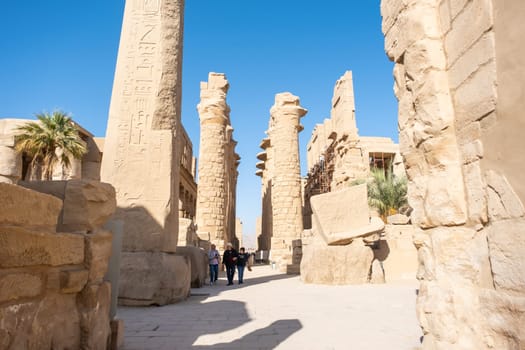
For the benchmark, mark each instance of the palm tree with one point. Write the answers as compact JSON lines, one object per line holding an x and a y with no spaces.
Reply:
{"x":386,"y":192}
{"x":52,"y":139}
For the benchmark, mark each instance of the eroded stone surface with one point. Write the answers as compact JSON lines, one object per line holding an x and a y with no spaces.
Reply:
{"x":21,"y":247}
{"x":24,"y":207}
{"x":153,"y":278}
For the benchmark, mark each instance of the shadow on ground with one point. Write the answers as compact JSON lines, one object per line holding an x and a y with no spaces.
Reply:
{"x":265,"y":338}
{"x":179,"y":326}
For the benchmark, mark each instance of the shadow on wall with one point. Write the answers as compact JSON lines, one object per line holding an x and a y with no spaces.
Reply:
{"x":181,"y":325}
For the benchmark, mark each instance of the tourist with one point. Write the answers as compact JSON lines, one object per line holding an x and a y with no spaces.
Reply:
{"x":242,"y":260}
{"x":230,"y":260}
{"x":213,"y":260}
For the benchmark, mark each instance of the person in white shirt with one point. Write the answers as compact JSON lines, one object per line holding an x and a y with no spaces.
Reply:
{"x":213,"y":258}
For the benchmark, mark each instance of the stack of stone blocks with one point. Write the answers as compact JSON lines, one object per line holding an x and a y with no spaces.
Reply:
{"x":53,"y":258}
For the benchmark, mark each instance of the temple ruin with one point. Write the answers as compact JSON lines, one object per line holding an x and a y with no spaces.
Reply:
{"x":15,"y":167}
{"x":142,"y":155}
{"x":458,"y":78}
{"x":281,"y":174}
{"x":218,"y":164}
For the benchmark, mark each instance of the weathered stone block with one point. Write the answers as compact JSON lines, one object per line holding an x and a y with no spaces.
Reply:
{"x":93,"y":304}
{"x":506,"y":241}
{"x":153,"y":278}
{"x":461,"y":255}
{"x":20,"y":247}
{"x":98,"y":251}
{"x":73,"y":280}
{"x":39,"y":210}
{"x":503,"y":203}
{"x":505,"y":316}
{"x":469,"y":25}
{"x":348,"y":264}
{"x":19,"y":285}
{"x":199,"y":264}
{"x":87,"y":205}
{"x":49,"y":323}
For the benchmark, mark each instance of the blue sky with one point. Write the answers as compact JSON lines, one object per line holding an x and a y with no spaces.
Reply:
{"x":62,"y":54}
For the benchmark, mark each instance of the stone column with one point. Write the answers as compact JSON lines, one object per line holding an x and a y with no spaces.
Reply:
{"x":265,"y":171}
{"x":141,"y":158}
{"x":214,"y":114}
{"x":286,"y":180}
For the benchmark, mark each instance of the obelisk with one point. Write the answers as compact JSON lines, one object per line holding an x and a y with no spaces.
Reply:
{"x":141,"y":159}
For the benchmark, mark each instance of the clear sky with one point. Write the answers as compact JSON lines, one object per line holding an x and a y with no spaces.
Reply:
{"x":62,"y":54}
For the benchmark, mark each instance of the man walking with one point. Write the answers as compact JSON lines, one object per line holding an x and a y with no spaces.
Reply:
{"x":230,"y":260}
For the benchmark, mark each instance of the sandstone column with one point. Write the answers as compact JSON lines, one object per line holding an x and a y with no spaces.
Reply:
{"x":265,"y":171}
{"x":141,"y":157}
{"x":286,"y":180}
{"x":214,"y":114}
{"x":457,"y":68}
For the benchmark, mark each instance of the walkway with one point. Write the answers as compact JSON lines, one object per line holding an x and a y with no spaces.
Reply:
{"x":276,"y":311}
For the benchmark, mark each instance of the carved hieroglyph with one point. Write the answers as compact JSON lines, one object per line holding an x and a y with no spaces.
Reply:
{"x":458,"y":73}
{"x":286,"y":203}
{"x":217,"y":164}
{"x":141,"y":158}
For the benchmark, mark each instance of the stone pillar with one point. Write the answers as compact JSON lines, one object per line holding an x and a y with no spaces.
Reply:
{"x":458,"y":68}
{"x":286,"y":178}
{"x":141,"y":158}
{"x":214,"y":114}
{"x":265,"y":171}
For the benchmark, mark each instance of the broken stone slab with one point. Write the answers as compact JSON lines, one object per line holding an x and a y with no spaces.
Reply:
{"x":21,"y":247}
{"x":341,"y":216}
{"x":39,"y":210}
{"x":153,"y":278}
{"x":375,"y":226}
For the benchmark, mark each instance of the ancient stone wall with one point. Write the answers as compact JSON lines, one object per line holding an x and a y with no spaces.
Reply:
{"x":142,"y":155}
{"x":187,"y":185}
{"x":52,"y":288}
{"x":286,"y":203}
{"x":217,"y":164}
{"x":457,"y":72}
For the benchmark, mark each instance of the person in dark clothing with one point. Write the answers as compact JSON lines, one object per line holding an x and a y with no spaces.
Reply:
{"x":229,"y":259}
{"x":242,"y":260}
